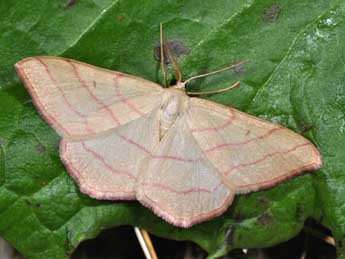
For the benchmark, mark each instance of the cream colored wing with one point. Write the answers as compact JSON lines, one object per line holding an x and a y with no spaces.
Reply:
{"x":179,"y":183}
{"x":248,"y":152}
{"x":107,"y":167}
{"x":80,"y":100}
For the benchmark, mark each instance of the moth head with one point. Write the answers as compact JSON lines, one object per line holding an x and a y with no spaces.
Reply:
{"x":180,"y":85}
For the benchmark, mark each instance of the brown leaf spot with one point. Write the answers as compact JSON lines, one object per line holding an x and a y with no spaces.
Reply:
{"x":70,"y":3}
{"x":177,"y":49}
{"x":239,"y":70}
{"x":299,"y":213}
{"x":304,"y":127}
{"x":271,"y":14}
{"x":28,"y":202}
{"x":238,"y":217}
{"x":264,"y":201}
{"x":266,"y":219}
{"x":40,"y":148}
{"x":120,"y":18}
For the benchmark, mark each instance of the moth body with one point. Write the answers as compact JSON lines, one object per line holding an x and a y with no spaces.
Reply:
{"x":174,"y":103}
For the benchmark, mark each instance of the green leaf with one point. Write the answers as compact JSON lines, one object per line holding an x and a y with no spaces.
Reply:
{"x":294,"y":75}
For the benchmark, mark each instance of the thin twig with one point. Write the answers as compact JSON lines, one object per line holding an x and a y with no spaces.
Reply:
{"x":145,"y":243}
{"x":149,"y":243}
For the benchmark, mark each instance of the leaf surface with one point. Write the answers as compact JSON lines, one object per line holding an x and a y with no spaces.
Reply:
{"x":294,"y":75}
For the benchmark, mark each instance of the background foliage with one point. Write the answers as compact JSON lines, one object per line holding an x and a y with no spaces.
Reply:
{"x":294,"y":75}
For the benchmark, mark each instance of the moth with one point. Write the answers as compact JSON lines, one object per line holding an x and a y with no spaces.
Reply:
{"x":185,"y":158}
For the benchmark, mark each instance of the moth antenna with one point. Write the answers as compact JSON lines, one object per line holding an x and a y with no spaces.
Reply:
{"x":173,"y":62}
{"x":235,"y":85}
{"x":215,"y":72}
{"x":162,"y":55}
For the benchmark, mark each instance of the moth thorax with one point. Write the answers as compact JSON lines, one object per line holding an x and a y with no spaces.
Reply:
{"x":173,"y":104}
